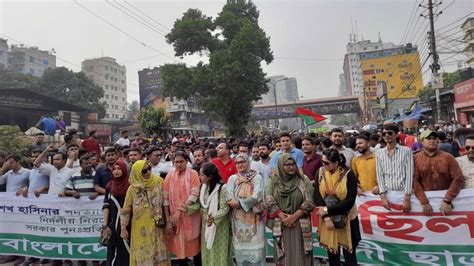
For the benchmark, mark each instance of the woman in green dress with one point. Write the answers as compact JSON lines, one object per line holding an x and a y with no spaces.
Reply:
{"x":216,"y":247}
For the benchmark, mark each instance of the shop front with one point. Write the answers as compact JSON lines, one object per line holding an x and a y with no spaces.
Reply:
{"x":464,"y":102}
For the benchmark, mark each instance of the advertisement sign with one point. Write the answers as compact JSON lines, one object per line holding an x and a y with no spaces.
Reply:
{"x":401,"y":74}
{"x":150,"y":87}
{"x":464,"y":94}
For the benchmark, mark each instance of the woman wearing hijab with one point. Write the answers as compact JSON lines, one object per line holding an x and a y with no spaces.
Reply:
{"x":216,"y":248}
{"x":245,"y":197}
{"x":289,"y":199}
{"x":118,"y":250}
{"x":144,"y":207}
{"x":335,"y":191}
{"x":181,"y":192}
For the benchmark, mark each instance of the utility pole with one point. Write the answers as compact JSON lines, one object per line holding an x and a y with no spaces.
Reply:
{"x":435,"y":65}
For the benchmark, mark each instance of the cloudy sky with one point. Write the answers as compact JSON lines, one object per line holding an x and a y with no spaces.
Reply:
{"x":308,"y":38}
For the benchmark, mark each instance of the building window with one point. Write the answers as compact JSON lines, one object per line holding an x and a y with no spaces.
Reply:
{"x":123,"y":99}
{"x":373,"y":65}
{"x":31,"y":71}
{"x":32,"y":59}
{"x":123,"y":108}
{"x":390,"y":75}
{"x":106,"y":68}
{"x":115,"y":70}
{"x":376,"y":47}
{"x":115,"y":79}
{"x":116,"y":98}
{"x":106,"y":115}
{"x":116,"y":107}
{"x":389,"y":63}
{"x":106,"y":96}
{"x":365,"y":49}
{"x":392,"y":87}
{"x":123,"y":90}
{"x":123,"y":73}
{"x":1,"y":52}
{"x":106,"y":76}
{"x":106,"y":87}
{"x":45,"y":62}
{"x":123,"y":81}
{"x":116,"y":88}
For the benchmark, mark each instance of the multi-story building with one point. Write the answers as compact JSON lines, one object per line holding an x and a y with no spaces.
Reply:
{"x":343,"y":88}
{"x":30,"y":60}
{"x":397,"y":78}
{"x":468,"y":37}
{"x":108,"y":74}
{"x":3,"y":53}
{"x":356,"y":52}
{"x":286,"y":90}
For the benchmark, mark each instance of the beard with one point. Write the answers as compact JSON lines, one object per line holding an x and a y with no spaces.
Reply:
{"x":361,"y":151}
{"x":264,"y":156}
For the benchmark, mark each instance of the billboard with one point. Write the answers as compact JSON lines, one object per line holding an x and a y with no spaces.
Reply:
{"x":401,"y":74}
{"x":151,"y":86}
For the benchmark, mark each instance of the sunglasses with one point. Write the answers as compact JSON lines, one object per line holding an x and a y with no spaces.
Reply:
{"x":468,"y":148}
{"x":390,"y":133}
{"x":146,"y":170}
{"x":326,"y":162}
{"x":240,"y":162}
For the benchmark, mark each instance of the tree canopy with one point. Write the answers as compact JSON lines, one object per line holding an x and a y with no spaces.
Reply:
{"x":154,"y":120}
{"x":233,"y":79}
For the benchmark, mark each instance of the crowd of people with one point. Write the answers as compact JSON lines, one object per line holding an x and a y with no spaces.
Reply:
{"x":210,"y":201}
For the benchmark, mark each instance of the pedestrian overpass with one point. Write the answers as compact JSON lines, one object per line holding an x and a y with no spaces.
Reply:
{"x":323,"y":106}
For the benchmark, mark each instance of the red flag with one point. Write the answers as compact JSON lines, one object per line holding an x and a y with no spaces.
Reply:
{"x":309,"y":116}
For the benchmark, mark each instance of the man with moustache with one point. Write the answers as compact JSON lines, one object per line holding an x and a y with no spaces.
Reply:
{"x":263,"y":165}
{"x":436,"y":170}
{"x":312,"y":160}
{"x":466,"y":162}
{"x":363,"y":166}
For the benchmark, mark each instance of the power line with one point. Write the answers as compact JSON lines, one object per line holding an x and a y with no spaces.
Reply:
{"x":120,"y":30}
{"x":408,"y":26}
{"x":134,"y":17}
{"x":146,"y":15}
{"x":465,"y":16}
{"x":139,"y":59}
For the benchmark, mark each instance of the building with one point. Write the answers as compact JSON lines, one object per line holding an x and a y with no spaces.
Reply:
{"x":359,"y":50}
{"x":108,"y":74}
{"x":286,"y":92}
{"x":150,"y":86}
{"x":464,"y":97}
{"x":468,"y":33}
{"x":343,"y":86}
{"x":30,"y":60}
{"x":3,"y":53}
{"x":397,"y":76}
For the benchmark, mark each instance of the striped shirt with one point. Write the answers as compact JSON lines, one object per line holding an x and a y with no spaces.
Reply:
{"x":395,"y":172}
{"x":84,"y":184}
{"x":348,"y":154}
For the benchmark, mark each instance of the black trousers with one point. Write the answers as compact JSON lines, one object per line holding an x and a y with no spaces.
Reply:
{"x":117,"y":254}
{"x":196,"y":261}
{"x":349,"y":257}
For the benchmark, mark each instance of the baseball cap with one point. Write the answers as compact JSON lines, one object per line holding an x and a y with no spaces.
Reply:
{"x":427,"y":133}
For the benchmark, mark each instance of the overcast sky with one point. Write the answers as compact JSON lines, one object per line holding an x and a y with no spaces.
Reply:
{"x":308,"y":38}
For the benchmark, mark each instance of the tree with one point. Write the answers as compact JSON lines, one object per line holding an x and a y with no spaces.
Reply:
{"x":59,"y":83}
{"x":154,"y":120}
{"x":233,"y":79}
{"x":449,"y":80}
{"x":12,"y":140}
{"x":133,"y":110}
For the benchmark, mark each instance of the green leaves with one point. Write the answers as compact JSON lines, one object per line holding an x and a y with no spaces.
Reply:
{"x":154,"y":120}
{"x":233,"y":79}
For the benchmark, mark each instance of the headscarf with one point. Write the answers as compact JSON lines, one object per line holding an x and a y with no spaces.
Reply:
{"x":136,"y":176}
{"x":119,"y":185}
{"x":285,"y":184}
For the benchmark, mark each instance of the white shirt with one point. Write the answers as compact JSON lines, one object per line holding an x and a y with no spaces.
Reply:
{"x":76,"y":166}
{"x":15,"y":181}
{"x":467,"y":168}
{"x":123,"y":142}
{"x":57,"y":178}
{"x":264,"y":169}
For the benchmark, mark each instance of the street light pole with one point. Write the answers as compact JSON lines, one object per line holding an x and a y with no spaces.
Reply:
{"x":277,"y":122}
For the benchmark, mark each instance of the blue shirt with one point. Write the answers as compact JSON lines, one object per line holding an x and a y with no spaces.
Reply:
{"x":37,"y":180}
{"x":49,"y":125}
{"x":15,"y":181}
{"x":297,"y":154}
{"x":102,"y":176}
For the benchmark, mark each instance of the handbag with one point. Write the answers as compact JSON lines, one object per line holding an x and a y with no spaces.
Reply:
{"x":339,"y":220}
